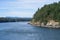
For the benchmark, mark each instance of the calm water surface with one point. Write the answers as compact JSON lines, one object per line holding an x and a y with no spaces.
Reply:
{"x":24,"y":31}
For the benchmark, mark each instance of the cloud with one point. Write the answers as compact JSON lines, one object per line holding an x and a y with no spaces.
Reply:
{"x":30,"y":1}
{"x":37,"y":1}
{"x":18,"y":14}
{"x":23,"y":8}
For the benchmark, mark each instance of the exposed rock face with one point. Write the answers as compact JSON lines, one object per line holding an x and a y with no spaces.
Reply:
{"x":50,"y":23}
{"x":53,"y":24}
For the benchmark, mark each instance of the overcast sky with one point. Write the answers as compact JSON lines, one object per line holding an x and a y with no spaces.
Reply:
{"x":21,"y":8}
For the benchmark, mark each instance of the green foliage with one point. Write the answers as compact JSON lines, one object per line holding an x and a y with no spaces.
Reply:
{"x":48,"y":12}
{"x":13,"y":19}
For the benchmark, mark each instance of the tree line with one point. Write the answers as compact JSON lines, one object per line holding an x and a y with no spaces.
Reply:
{"x":48,"y":12}
{"x":13,"y":19}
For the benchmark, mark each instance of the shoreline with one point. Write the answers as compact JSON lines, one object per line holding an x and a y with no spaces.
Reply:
{"x":46,"y":26}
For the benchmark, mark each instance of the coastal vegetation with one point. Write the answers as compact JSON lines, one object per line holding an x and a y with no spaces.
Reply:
{"x":13,"y":19}
{"x":47,"y":15}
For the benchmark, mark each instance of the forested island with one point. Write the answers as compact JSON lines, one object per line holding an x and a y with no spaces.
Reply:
{"x":13,"y":19}
{"x":47,"y":16}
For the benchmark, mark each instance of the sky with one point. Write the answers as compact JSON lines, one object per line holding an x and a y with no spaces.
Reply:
{"x":21,"y":8}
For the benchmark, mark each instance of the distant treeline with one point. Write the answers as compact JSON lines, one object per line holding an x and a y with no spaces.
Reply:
{"x":13,"y":19}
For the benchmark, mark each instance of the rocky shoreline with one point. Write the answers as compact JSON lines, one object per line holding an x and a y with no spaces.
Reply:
{"x":47,"y":26}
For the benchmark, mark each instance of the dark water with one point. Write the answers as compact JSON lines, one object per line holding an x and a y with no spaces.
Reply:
{"x":24,"y":31}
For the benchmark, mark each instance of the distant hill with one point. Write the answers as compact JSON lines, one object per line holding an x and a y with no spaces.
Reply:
{"x":13,"y":19}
